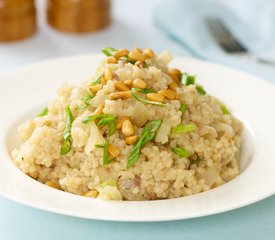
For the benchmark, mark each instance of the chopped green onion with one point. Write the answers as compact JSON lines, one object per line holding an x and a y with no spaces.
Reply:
{"x":145,"y":90}
{"x":183,"y":128}
{"x":182,"y":152}
{"x":99,"y":145}
{"x":182,"y":108}
{"x":225,"y":110}
{"x":86,"y":100}
{"x":148,"y":134}
{"x":135,"y":95}
{"x":109,"y":182}
{"x":109,"y":51}
{"x":67,"y":139}
{"x":196,"y":161}
{"x":188,"y":79}
{"x":201,"y":90}
{"x":104,"y":119}
{"x":106,"y":159}
{"x":44,"y":112}
{"x":97,"y":81}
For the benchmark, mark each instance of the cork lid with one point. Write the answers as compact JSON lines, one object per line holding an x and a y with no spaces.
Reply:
{"x":82,"y":3}
{"x":13,"y":7}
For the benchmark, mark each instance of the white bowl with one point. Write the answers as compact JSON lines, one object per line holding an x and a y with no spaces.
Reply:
{"x":24,"y":92}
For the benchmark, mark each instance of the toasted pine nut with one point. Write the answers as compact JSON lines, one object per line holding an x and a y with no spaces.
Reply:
{"x":168,"y":94}
{"x":127,"y":128}
{"x":139,"y":64}
{"x":111,"y":59}
{"x":120,"y":95}
{"x":156,"y":97}
{"x":96,"y":88}
{"x":123,"y":52}
{"x":174,"y":71}
{"x":108,"y":74}
{"x":51,"y":184}
{"x":148,"y":53}
{"x":120,"y":122}
{"x":120,"y":86}
{"x":139,"y":83}
{"x":91,"y":194}
{"x":173,"y":85}
{"x":136,"y":55}
{"x":128,"y":82}
{"x":103,"y":80}
{"x":113,"y":150}
{"x":132,"y":139}
{"x":99,"y":109}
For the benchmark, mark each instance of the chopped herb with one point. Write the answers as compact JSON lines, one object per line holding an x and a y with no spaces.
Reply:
{"x":225,"y":110}
{"x":104,"y":119}
{"x":148,"y":134}
{"x":97,"y":81}
{"x":128,"y":60}
{"x":99,"y":145}
{"x":188,"y":79}
{"x":109,"y":51}
{"x":201,"y":90}
{"x":196,"y":161}
{"x":135,"y":95}
{"x":106,"y":159}
{"x":86,"y":100}
{"x":44,"y":112}
{"x":182,"y":152}
{"x":145,"y":65}
{"x":183,"y":128}
{"x":67,"y":139}
{"x":145,"y":90}
{"x":109,"y":182}
{"x":182,"y":108}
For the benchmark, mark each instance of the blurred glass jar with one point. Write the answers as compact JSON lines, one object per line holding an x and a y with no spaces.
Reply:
{"x":78,"y":16}
{"x":17,"y":19}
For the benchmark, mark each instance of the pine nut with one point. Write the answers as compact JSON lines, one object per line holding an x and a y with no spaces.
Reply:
{"x":96,"y":88}
{"x":136,"y":55}
{"x":51,"y":184}
{"x":113,"y":150}
{"x":120,"y":95}
{"x":99,"y":109}
{"x":173,"y":85}
{"x":91,"y":194}
{"x":103,"y":80}
{"x":128,"y":82}
{"x":168,"y":94}
{"x":120,"y":122}
{"x":111,"y":60}
{"x":139,"y":83}
{"x":127,"y":128}
{"x":123,"y":52}
{"x":156,"y":97}
{"x":174,"y":71}
{"x":132,"y":139}
{"x":139,"y":64}
{"x":148,"y":53}
{"x":120,"y":86}
{"x":108,"y":74}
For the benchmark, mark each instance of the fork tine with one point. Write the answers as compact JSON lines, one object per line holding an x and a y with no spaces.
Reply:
{"x":224,"y":37}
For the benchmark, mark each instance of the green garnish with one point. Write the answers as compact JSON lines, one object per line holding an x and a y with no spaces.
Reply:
{"x":225,"y":110}
{"x":135,"y":95}
{"x":86,"y":100}
{"x":148,"y":134}
{"x":109,"y":182}
{"x":67,"y":138}
{"x":188,"y":79}
{"x":145,"y":90}
{"x":201,"y":90}
{"x":183,"y":128}
{"x":97,"y":81}
{"x":44,"y":112}
{"x":182,"y":108}
{"x":106,"y":159}
{"x":104,"y":119}
{"x":182,"y":152}
{"x":196,"y":161}
{"x":109,"y":51}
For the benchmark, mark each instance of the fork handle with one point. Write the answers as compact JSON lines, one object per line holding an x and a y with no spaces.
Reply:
{"x":265,"y":61}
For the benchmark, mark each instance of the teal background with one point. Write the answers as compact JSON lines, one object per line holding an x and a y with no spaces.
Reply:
{"x":256,"y":221}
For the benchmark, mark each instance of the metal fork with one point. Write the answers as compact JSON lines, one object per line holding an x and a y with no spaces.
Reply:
{"x":228,"y":42}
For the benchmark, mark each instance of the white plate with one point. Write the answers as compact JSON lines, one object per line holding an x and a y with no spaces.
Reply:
{"x":24,"y":92}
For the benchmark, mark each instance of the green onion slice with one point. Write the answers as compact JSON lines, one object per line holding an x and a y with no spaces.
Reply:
{"x":138,"y":98}
{"x":182,"y":152}
{"x":183,"y":128}
{"x":109,"y":51}
{"x":182,"y":108}
{"x":148,"y":134}
{"x":200,"y":90}
{"x":225,"y":110}
{"x":188,"y":79}
{"x":44,"y":112}
{"x":67,"y":139}
{"x":97,"y":81}
{"x":196,"y":161}
{"x":86,"y":100}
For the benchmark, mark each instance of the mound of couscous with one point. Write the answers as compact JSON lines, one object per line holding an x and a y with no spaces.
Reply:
{"x":137,"y":130}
